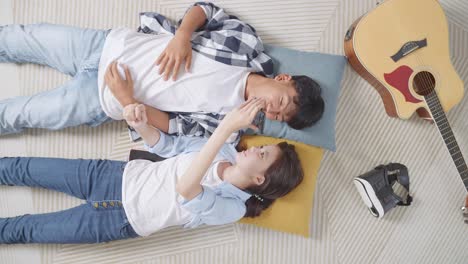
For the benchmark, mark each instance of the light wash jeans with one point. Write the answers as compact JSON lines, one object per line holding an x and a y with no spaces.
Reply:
{"x":102,"y":218}
{"x":70,"y":50}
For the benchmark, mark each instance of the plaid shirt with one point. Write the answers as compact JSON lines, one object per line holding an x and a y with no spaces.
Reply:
{"x":223,"y":38}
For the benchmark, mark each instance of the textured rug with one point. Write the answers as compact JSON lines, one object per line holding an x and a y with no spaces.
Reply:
{"x":430,"y":231}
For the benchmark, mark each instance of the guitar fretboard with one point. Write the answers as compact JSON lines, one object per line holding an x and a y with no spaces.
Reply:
{"x":445,"y":130}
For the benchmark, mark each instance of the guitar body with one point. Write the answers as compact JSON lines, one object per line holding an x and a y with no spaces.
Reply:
{"x":394,"y":42}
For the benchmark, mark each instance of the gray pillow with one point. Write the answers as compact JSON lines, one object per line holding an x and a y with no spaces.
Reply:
{"x":326,"y":70}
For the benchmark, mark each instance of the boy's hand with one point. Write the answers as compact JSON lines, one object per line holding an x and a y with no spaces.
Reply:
{"x":177,"y":51}
{"x":120,"y":88}
{"x":135,"y":115}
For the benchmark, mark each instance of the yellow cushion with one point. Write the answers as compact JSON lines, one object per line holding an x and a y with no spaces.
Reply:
{"x":292,"y":212}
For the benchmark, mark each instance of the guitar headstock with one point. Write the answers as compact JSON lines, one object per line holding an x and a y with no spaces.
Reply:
{"x":465,"y":210}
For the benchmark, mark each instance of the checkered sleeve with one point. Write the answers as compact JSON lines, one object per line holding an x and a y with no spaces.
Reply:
{"x":198,"y":124}
{"x":227,"y":39}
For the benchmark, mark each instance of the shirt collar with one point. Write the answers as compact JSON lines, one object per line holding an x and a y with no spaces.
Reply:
{"x":230,"y":155}
{"x":233,"y":190}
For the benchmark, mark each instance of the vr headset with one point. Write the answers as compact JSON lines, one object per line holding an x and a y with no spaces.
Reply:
{"x":376,"y":188}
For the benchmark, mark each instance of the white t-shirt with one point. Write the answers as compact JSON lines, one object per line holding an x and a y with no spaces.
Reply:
{"x":210,"y":87}
{"x":148,"y":192}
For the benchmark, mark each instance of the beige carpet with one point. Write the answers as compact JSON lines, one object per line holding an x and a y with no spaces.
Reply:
{"x":430,"y":231}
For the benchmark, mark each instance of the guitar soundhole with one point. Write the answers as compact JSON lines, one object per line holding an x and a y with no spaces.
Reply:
{"x":423,"y":83}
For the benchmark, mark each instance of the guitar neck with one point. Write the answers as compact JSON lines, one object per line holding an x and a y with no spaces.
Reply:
{"x":446,"y":132}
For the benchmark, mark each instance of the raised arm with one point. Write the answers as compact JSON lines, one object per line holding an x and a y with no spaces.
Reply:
{"x":189,"y":184}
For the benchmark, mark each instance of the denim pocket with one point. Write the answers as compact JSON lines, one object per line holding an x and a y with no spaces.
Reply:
{"x":126,"y":231}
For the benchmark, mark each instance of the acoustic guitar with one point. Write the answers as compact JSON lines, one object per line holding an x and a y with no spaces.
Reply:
{"x":401,"y":48}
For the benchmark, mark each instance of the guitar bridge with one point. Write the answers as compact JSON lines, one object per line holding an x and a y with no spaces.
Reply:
{"x":408,"y":48}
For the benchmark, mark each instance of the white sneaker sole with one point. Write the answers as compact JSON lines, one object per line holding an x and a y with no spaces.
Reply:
{"x":369,"y":197}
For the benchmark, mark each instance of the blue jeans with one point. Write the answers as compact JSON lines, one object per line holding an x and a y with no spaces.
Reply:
{"x":102,"y":218}
{"x":70,"y":50}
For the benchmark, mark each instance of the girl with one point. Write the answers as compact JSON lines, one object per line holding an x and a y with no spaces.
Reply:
{"x":209,"y":183}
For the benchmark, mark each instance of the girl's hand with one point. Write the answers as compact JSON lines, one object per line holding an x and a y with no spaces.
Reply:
{"x":177,"y":51}
{"x":243,"y":116}
{"x":135,"y":115}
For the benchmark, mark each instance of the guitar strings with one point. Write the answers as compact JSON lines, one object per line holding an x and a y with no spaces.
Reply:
{"x":426,"y":78}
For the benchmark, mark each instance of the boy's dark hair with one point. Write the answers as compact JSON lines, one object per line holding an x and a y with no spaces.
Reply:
{"x":280,"y":178}
{"x":309,"y":101}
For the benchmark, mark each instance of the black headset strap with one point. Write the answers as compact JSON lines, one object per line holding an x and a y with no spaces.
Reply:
{"x":398,"y":172}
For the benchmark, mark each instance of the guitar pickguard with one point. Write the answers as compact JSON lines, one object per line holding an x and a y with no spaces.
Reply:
{"x":399,"y":79}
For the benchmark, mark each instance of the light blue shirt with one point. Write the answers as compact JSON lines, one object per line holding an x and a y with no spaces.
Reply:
{"x":222,"y":205}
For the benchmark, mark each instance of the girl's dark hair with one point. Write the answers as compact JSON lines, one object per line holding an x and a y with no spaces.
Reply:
{"x":280,"y":178}
{"x":309,"y":100}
